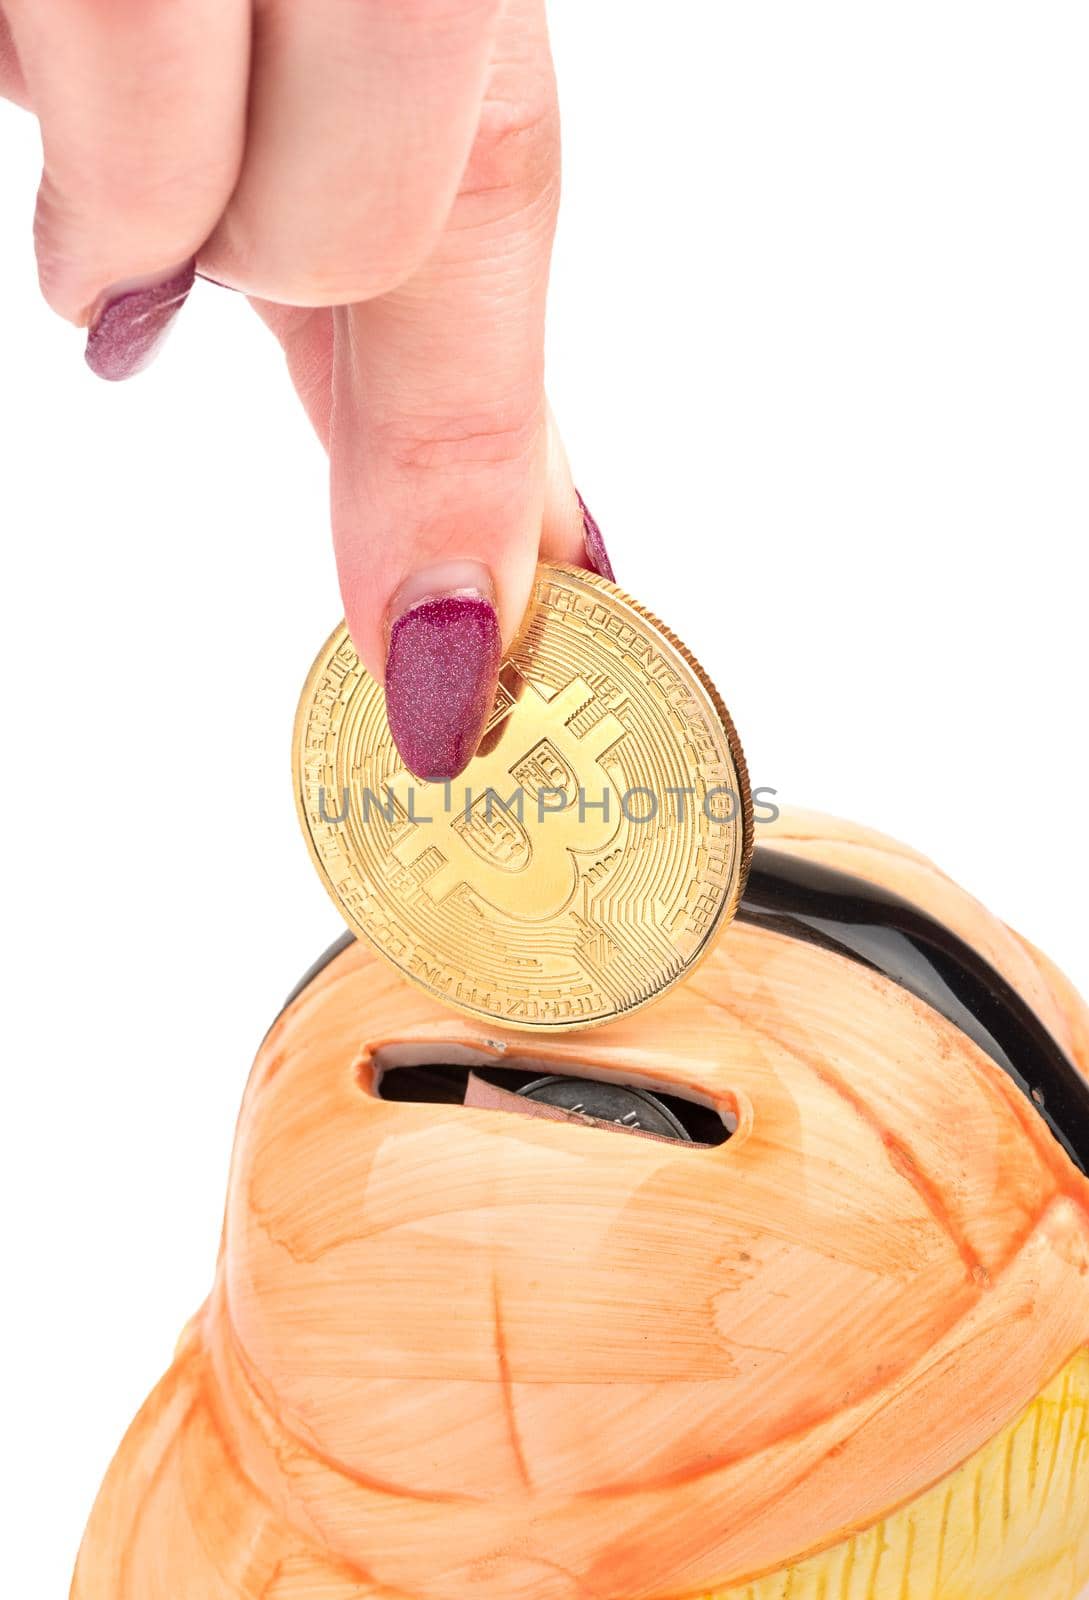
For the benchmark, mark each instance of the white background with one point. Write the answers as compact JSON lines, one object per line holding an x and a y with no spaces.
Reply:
{"x":820,"y":349}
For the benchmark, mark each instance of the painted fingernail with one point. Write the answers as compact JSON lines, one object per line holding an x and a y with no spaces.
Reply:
{"x":597,"y":557}
{"x":442,"y":663}
{"x":131,"y":321}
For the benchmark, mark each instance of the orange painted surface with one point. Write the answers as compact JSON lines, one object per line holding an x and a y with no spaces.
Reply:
{"x":453,"y":1354}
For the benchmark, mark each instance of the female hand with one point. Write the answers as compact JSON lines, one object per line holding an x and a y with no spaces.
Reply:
{"x":381,"y":177}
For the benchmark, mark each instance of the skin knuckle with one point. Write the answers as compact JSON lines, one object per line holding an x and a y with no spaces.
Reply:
{"x":516,"y":150}
{"x":450,"y":444}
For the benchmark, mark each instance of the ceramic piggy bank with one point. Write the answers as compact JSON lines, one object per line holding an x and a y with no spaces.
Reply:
{"x":776,"y":1290}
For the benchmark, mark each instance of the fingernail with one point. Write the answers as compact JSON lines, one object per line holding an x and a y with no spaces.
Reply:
{"x":441,"y":668}
{"x":597,"y":557}
{"x":131,"y":321}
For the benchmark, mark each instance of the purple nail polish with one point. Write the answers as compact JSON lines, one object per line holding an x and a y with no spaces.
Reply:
{"x":597,"y":557}
{"x":440,"y":681}
{"x":131,"y":323}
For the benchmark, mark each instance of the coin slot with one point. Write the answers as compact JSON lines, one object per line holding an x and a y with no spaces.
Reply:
{"x":439,"y":1075}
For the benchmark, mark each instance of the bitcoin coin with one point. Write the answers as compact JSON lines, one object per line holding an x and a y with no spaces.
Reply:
{"x":589,"y":853}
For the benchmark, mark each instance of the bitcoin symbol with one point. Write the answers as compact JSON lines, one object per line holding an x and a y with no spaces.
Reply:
{"x":539,"y":802}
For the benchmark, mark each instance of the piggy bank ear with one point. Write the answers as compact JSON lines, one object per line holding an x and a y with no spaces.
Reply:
{"x":873,"y":856}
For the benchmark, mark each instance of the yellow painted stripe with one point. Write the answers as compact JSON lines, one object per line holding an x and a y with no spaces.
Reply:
{"x":1011,"y":1524}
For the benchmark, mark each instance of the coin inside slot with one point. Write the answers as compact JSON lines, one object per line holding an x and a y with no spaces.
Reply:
{"x":444,"y":1075}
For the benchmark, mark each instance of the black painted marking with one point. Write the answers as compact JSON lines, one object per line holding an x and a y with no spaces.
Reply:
{"x":891,"y":936}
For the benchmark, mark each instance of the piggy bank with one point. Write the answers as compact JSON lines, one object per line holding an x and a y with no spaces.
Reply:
{"x":776,"y":1290}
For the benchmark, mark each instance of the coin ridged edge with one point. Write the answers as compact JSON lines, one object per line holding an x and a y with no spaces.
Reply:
{"x":733,"y":738}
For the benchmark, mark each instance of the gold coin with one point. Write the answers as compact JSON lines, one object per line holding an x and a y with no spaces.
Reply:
{"x":588,"y":854}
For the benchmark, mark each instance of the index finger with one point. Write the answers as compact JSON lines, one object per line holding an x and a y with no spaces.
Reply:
{"x":439,"y":428}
